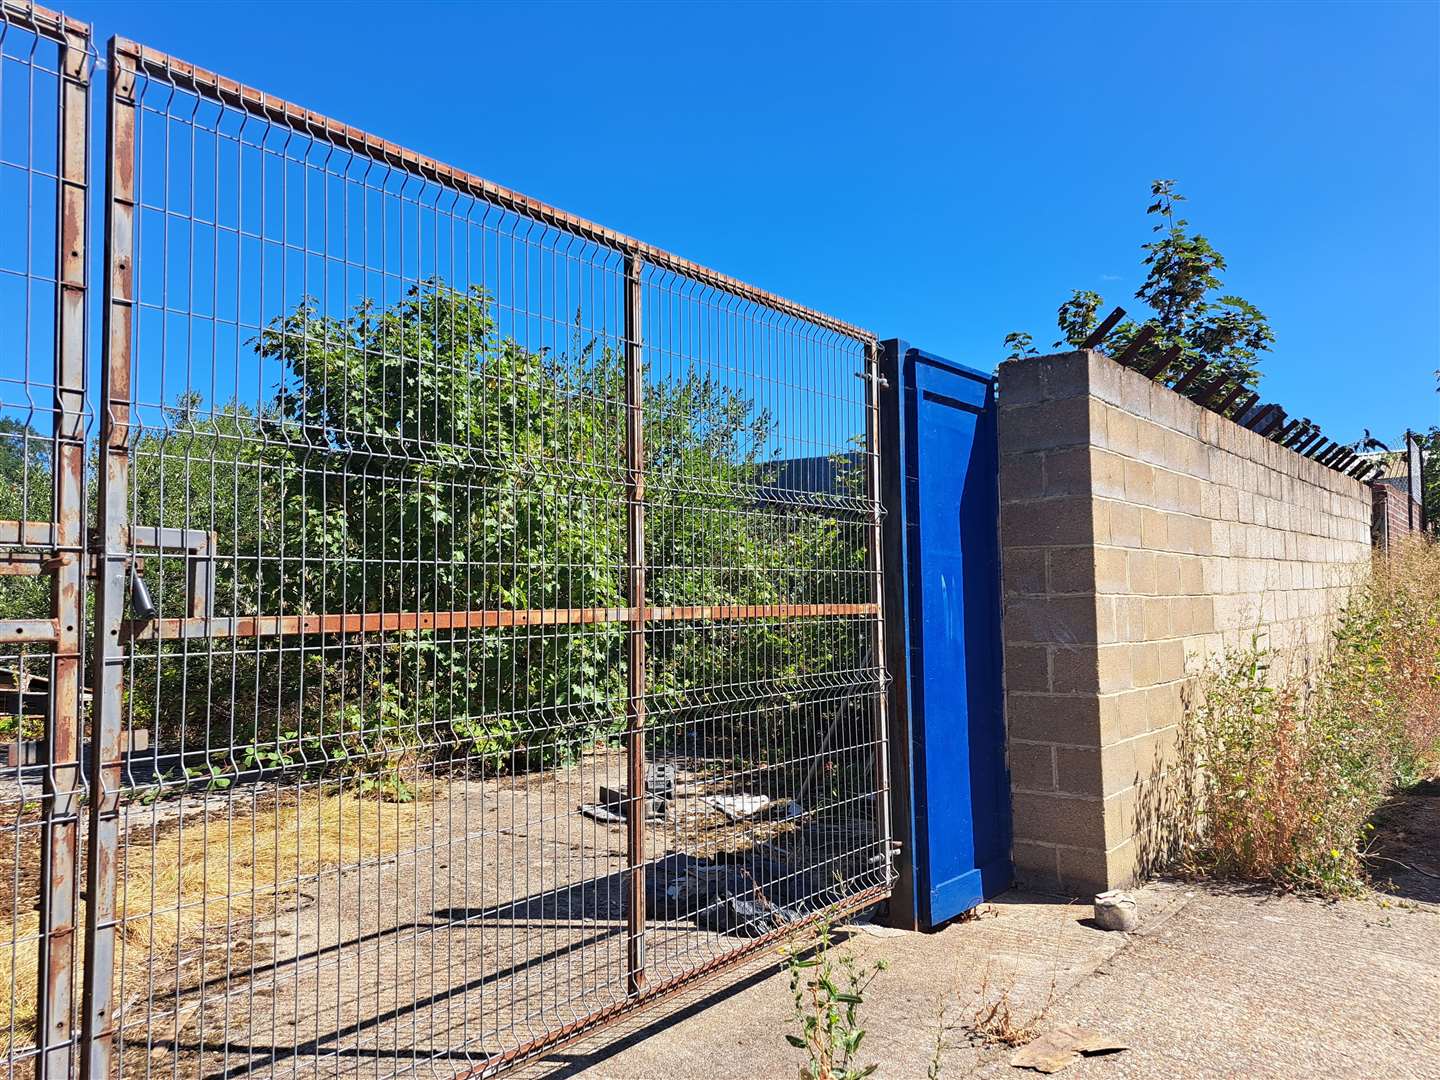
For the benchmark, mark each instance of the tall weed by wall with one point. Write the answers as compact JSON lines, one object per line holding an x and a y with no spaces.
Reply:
{"x":1288,"y":769}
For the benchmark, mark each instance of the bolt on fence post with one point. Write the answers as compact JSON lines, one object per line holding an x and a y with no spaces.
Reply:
{"x":98,"y":1033}
{"x":635,"y":557}
{"x":63,"y":784}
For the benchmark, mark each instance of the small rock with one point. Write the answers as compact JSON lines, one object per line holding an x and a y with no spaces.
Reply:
{"x":1116,"y":910}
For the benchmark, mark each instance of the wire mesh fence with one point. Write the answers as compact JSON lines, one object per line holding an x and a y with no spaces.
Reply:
{"x":486,"y":609}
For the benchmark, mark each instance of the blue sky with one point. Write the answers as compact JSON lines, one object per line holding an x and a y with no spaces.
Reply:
{"x":945,"y":173}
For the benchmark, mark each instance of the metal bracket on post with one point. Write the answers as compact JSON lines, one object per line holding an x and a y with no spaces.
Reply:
{"x":198,"y":548}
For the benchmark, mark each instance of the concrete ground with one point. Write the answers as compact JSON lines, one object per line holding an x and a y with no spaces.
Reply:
{"x":1216,"y":982}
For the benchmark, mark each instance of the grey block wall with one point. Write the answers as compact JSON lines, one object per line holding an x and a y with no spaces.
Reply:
{"x":1141,"y":536}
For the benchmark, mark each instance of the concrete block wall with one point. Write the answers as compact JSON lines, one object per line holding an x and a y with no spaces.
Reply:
{"x":1141,"y":535}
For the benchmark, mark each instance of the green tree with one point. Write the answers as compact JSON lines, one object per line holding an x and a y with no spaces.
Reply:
{"x":412,"y":459}
{"x":1189,"y":307}
{"x":431,"y":464}
{"x":26,"y":494}
{"x":439,"y":467}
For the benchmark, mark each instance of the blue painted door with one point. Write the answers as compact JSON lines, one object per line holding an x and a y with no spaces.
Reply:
{"x":958,"y":786}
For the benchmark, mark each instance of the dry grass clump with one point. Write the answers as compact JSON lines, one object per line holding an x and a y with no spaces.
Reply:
{"x":193,"y":894}
{"x":1404,"y":594}
{"x":1291,"y":769}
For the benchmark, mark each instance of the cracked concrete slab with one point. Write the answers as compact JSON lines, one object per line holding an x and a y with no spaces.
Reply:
{"x":1217,"y":981}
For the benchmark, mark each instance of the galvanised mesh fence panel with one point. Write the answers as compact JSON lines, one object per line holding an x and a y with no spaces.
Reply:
{"x":45,"y":67}
{"x":485,"y":609}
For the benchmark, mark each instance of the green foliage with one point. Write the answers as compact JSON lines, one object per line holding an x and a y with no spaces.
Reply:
{"x":411,"y":458}
{"x":1019,"y":344}
{"x":441,"y":467}
{"x":828,"y":992}
{"x":26,"y":494}
{"x":1190,"y":308}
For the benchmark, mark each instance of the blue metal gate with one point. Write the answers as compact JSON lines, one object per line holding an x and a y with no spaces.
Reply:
{"x":951,"y":796}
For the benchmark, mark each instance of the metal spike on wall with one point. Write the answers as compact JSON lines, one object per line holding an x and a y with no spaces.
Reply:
{"x":1234,"y":399}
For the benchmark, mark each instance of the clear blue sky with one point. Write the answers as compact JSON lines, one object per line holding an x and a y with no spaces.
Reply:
{"x":945,"y":173}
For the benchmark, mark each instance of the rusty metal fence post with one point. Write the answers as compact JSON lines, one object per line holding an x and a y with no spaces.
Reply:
{"x":635,"y":557}
{"x":113,"y":572}
{"x":63,"y":783}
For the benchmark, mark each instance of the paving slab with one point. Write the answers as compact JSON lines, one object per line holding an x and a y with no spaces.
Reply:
{"x":1258,"y":985}
{"x":1034,"y":947}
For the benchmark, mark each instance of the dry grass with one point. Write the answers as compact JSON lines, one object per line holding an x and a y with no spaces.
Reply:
{"x":1291,"y":768}
{"x":996,"y":1023}
{"x":199,"y":891}
{"x":1405,"y":593}
{"x":998,"y":1020}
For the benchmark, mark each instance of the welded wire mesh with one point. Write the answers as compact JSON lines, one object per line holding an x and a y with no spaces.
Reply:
{"x":433,"y":525}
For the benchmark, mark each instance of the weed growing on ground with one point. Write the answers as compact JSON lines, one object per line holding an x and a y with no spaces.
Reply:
{"x":1290,"y":767}
{"x":997,"y":1021}
{"x":827,"y":1015}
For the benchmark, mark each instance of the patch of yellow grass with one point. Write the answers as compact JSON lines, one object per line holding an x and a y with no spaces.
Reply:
{"x":202,"y":888}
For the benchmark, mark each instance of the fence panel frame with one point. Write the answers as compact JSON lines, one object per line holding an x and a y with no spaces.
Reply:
{"x":62,"y":544}
{"x":128,"y":62}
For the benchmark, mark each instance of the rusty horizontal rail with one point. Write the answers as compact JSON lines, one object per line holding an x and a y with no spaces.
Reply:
{"x":29,"y":629}
{"x":485,"y":618}
{"x":267,"y":106}
{"x":41,"y":20}
{"x":657,"y":993}
{"x":29,"y":534}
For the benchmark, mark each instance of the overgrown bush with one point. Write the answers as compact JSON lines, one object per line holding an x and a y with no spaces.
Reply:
{"x":410,"y":457}
{"x":1289,"y":768}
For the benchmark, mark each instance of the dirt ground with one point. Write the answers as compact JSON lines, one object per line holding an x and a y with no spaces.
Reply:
{"x":487,"y":913}
{"x":1216,"y":982}
{"x":497,"y":913}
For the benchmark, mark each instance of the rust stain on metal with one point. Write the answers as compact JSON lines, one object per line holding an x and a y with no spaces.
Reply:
{"x":167,"y":629}
{"x":1188,"y":379}
{"x":1162,"y":363}
{"x":1098,"y":334}
{"x":659,"y":992}
{"x":1138,"y":342}
{"x":42,"y":20}
{"x":635,"y":974}
{"x":1231,"y":398}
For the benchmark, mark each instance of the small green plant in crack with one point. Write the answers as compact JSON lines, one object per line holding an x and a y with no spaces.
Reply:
{"x":828,"y":991}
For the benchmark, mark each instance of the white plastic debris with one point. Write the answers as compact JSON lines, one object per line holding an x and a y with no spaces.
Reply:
{"x":738,"y":807}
